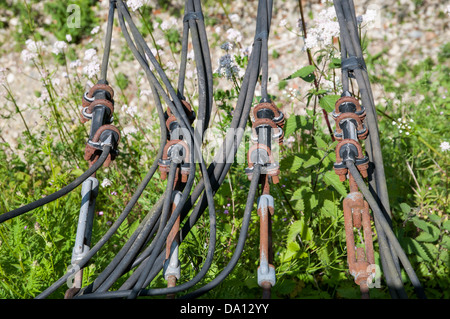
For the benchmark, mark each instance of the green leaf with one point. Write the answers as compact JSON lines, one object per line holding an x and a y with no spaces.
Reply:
{"x":446,"y":241}
{"x":430,"y":232}
{"x":335,"y":63}
{"x":293,"y":124}
{"x":327,"y":102}
{"x":405,"y":208}
{"x":306,"y":73}
{"x":133,"y":227}
{"x":311,"y":162}
{"x":299,"y":227}
{"x":412,"y":246}
{"x":321,"y":144}
{"x":297,"y":197}
{"x":332,"y":179}
{"x":329,"y":208}
{"x":291,"y":163}
{"x":313,"y":201}
{"x":446,"y":225}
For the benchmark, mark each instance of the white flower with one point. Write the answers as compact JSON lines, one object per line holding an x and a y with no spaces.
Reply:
{"x":136,"y":4}
{"x":75,"y":64}
{"x":160,"y":42}
{"x":234,"y":17}
{"x":130,"y":110}
{"x":370,"y":15}
{"x":27,"y":55}
{"x":234,"y":35}
{"x":31,"y":51}
{"x":44,"y":97}
{"x":68,"y":38}
{"x":283,"y":22}
{"x":146,"y":92}
{"x":445,"y":146}
{"x":189,"y":74}
{"x":95,"y":30}
{"x":165,"y":25}
{"x":59,"y":47}
{"x":92,"y":68}
{"x":447,"y":9}
{"x":89,"y":54}
{"x":106,"y":182}
{"x":326,"y":27}
{"x":129,"y":130}
{"x":171,"y":65}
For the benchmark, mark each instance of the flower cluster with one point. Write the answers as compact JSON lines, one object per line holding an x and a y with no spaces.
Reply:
{"x":167,"y":24}
{"x":130,"y":110}
{"x":445,"y":146}
{"x":325,"y":28}
{"x":59,"y":47}
{"x":136,"y":4}
{"x":93,"y":65}
{"x":228,"y":67}
{"x":32,"y":50}
{"x":106,"y":183}
{"x":234,"y":35}
{"x":402,"y":125}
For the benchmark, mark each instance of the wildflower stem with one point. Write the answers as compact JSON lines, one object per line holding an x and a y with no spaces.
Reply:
{"x":13,"y":100}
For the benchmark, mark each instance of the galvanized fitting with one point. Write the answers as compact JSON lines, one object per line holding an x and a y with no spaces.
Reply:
{"x":89,"y":192}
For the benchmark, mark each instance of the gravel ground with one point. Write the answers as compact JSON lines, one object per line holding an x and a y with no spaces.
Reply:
{"x":407,"y":32}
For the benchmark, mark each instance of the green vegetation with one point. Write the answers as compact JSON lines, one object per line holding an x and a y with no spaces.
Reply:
{"x":309,"y":241}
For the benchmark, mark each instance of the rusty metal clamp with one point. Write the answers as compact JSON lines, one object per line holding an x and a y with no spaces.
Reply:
{"x":349,"y":149}
{"x":356,"y":126}
{"x":269,"y":110}
{"x":356,"y":214}
{"x":266,"y":271}
{"x":262,"y":154}
{"x":106,"y":134}
{"x":348,"y":104}
{"x":175,"y":150}
{"x":99,"y":94}
{"x":278,"y":132}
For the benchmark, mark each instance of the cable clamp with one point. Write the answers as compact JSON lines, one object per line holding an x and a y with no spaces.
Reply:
{"x":353,"y":63}
{"x":193,"y":16}
{"x":263,"y":35}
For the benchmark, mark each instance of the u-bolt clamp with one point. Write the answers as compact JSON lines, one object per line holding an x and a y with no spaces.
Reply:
{"x":348,"y":104}
{"x":262,"y":154}
{"x":106,"y":134}
{"x":356,"y":214}
{"x":99,"y":94}
{"x":266,"y":271}
{"x":349,"y":149}
{"x":350,"y":125}
{"x":89,"y":192}
{"x":178,"y":151}
{"x":277,"y":133}
{"x":269,"y":110}
{"x":172,"y":264}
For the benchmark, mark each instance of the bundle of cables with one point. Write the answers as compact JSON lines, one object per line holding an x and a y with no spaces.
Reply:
{"x":349,"y":114}
{"x":154,"y":243}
